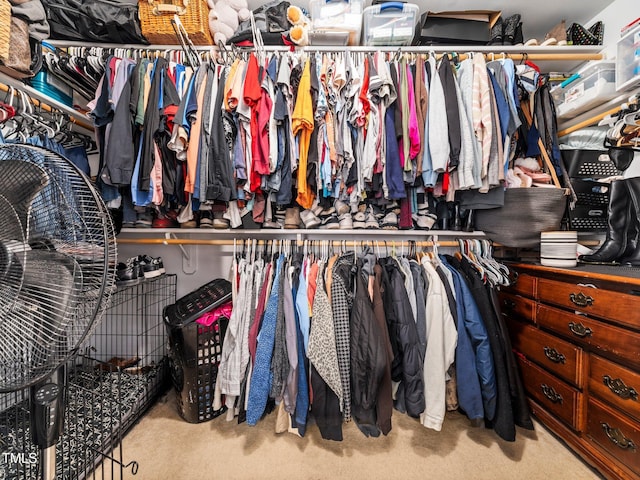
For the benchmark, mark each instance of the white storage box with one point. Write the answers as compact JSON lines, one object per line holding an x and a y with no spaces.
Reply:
{"x":337,"y":16}
{"x":592,"y":86}
{"x":628,"y":60}
{"x":390,"y":23}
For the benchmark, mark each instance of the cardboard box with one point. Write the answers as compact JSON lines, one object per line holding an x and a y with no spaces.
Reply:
{"x":466,"y":27}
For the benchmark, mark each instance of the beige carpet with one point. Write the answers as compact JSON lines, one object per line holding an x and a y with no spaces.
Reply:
{"x":166,"y":447}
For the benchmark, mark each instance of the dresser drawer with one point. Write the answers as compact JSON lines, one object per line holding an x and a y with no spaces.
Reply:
{"x":553,"y":394}
{"x":599,"y":336}
{"x":606,"y":304}
{"x":525,"y":285}
{"x":560,"y":357}
{"x":519,"y":306}
{"x":615,"y":433}
{"x":615,"y":384}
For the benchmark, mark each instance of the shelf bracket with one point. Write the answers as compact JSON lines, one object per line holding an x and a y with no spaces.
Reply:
{"x":189,"y":254}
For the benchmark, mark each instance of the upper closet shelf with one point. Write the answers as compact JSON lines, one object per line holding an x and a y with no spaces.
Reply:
{"x":79,"y":119}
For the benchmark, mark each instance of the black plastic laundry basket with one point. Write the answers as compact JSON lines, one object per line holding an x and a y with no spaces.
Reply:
{"x":195,"y":350}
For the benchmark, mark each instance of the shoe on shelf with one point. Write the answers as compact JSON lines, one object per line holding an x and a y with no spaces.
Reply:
{"x":151,"y":267}
{"x":271,"y":225}
{"x":497,"y":32}
{"x":345,"y":221}
{"x":129,"y":272}
{"x":219,"y":222}
{"x":426,"y":221}
{"x":511,"y":26}
{"x":341,"y":207}
{"x":292,"y":218}
{"x":371,"y":221}
{"x":359,"y":220}
{"x":309,"y":219}
{"x":390,"y":221}
{"x":206,"y":219}
{"x":330,"y":222}
{"x":144,"y":220}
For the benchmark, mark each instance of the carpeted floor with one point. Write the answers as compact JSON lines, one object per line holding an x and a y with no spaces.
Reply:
{"x":166,"y":447}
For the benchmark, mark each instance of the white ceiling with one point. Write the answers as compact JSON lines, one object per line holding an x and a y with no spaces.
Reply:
{"x":538,"y":16}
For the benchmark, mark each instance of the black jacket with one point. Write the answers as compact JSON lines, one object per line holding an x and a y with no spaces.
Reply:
{"x":408,"y":363}
{"x":368,"y":358}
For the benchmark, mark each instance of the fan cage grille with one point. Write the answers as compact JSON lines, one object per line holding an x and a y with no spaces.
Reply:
{"x":66,"y":269}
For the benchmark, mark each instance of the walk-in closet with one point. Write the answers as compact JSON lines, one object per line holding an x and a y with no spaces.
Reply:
{"x":319,"y":239}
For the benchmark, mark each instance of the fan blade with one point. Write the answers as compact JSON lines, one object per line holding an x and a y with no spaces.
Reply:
{"x":35,"y":328}
{"x":20,"y":182}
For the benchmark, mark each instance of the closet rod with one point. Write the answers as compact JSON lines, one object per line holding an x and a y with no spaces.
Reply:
{"x":348,"y":243}
{"x":39,"y":102}
{"x":536,"y":53}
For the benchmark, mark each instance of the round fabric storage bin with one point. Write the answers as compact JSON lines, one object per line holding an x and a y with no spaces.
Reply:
{"x":558,"y":249}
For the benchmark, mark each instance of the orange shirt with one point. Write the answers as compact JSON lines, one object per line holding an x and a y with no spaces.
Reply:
{"x":302,"y":123}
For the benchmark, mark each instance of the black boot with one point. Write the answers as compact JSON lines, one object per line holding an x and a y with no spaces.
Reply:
{"x":632,"y":257}
{"x":497,"y":32}
{"x":615,"y":244}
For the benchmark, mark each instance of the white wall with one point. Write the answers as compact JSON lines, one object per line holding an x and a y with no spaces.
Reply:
{"x":616,"y":16}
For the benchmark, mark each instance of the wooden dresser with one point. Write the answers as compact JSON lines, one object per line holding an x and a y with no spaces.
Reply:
{"x":576,"y":333}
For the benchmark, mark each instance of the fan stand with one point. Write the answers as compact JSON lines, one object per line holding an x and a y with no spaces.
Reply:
{"x":46,"y":400}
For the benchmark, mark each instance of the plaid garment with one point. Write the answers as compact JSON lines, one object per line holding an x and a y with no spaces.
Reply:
{"x":341,"y":302}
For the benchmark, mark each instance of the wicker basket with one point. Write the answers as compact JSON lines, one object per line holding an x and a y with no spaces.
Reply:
{"x":5,"y":29}
{"x":155,"y":20}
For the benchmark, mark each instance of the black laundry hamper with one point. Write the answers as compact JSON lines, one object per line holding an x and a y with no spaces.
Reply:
{"x":195,"y":350}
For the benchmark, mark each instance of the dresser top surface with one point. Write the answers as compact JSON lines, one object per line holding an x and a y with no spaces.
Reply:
{"x":608,"y":273}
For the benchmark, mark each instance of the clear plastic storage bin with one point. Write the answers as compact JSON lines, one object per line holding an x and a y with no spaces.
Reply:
{"x":592,"y":86}
{"x":628,"y":60}
{"x":390,"y":23}
{"x":332,"y":16}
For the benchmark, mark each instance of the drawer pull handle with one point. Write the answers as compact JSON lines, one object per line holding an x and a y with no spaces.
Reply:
{"x":554,"y":355}
{"x":580,"y":330}
{"x":618,"y":387}
{"x":551,"y":394}
{"x":617,"y":437}
{"x":580,"y":299}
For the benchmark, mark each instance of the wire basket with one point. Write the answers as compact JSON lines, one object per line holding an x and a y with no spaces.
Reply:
{"x":155,"y":20}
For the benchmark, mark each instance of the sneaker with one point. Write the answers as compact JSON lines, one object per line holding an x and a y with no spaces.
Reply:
{"x":219,"y":222}
{"x":309,"y":219}
{"x":426,"y":221}
{"x":129,"y":272}
{"x":144,"y":220}
{"x":390,"y":221}
{"x":151,"y":267}
{"x":341,"y":207}
{"x":206,"y":219}
{"x":271,"y":225}
{"x":359,"y":220}
{"x":345,"y":221}
{"x":330,"y":223}
{"x":371,"y":220}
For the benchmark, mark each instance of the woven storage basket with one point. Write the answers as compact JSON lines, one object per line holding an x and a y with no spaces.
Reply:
{"x":5,"y":29}
{"x":155,"y":20}
{"x":526,"y":213}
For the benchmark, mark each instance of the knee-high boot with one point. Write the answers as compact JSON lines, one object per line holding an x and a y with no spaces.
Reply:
{"x":633,"y":257}
{"x":616,"y":243}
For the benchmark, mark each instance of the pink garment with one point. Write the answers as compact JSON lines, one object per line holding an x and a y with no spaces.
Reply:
{"x":414,"y":129}
{"x":212,"y":317}
{"x":156,"y":177}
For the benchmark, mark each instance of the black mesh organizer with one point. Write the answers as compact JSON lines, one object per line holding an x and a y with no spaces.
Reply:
{"x":195,"y":350}
{"x":589,"y":164}
{"x":585,"y":168}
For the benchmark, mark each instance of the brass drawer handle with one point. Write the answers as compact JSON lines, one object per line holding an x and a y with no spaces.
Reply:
{"x":617,"y":437}
{"x":618,"y":387}
{"x":580,"y":299}
{"x":553,"y":355}
{"x":551,"y":394}
{"x":580,"y":330}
